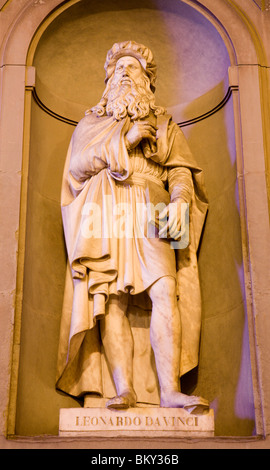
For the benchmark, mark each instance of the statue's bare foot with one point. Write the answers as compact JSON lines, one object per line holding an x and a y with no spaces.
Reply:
{"x":192,"y":404}
{"x":123,"y":401}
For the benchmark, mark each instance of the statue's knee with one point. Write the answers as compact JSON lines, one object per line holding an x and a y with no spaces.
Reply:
{"x":164,"y":289}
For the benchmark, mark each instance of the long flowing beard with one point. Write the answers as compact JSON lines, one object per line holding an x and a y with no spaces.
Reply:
{"x":126,"y":100}
{"x":134,"y":100}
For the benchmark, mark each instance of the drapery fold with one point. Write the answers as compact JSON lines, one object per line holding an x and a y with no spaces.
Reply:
{"x":98,"y":176}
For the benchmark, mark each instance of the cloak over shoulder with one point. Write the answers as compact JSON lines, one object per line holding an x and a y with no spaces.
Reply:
{"x":98,"y":145}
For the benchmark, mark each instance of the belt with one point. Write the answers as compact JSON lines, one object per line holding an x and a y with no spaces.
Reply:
{"x":141,"y":179}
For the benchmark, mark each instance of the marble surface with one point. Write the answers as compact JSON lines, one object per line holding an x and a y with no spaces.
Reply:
{"x":141,"y":420}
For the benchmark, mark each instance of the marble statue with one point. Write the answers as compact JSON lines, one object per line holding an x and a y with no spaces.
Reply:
{"x":131,"y":194}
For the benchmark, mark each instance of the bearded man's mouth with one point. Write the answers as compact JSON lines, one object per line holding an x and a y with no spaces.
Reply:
{"x":126,"y":81}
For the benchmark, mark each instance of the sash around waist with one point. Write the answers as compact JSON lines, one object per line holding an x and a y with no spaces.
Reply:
{"x":141,"y":179}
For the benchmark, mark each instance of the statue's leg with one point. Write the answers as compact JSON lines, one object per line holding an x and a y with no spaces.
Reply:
{"x":165,"y":334}
{"x":118,"y":345}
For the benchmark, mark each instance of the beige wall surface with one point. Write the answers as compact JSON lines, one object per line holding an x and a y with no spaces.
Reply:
{"x":191,"y":56}
{"x":193,"y":78}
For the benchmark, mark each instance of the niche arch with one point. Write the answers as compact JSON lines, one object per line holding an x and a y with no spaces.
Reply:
{"x":203,"y":10}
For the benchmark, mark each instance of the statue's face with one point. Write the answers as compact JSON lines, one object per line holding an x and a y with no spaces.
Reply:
{"x":128,"y":70}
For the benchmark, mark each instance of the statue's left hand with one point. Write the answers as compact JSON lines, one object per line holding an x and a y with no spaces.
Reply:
{"x":170,"y":220}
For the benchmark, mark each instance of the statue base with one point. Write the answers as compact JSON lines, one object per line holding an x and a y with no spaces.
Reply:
{"x":141,"y":421}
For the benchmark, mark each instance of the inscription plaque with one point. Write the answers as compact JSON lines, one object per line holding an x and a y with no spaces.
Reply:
{"x":135,"y":421}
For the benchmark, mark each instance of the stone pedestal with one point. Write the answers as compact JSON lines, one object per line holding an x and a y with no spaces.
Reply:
{"x":141,"y":421}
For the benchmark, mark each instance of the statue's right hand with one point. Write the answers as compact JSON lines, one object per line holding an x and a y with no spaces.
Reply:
{"x":140,"y":130}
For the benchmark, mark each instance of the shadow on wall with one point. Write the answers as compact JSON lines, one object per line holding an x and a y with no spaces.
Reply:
{"x":44,"y":277}
{"x":224,"y":374}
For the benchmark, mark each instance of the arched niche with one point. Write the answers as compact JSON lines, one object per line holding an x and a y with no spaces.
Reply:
{"x":193,"y":78}
{"x":224,"y":335}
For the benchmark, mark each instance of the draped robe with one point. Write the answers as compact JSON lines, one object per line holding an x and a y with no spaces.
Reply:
{"x":98,"y":165}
